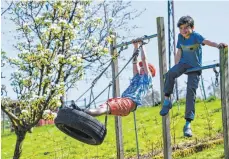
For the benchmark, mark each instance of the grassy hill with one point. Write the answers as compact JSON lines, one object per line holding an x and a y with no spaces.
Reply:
{"x":47,"y":142}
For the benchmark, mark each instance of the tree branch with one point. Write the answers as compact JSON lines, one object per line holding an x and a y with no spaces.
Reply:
{"x":7,"y":8}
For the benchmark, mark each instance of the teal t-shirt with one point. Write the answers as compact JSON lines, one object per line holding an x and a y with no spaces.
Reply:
{"x":191,"y":49}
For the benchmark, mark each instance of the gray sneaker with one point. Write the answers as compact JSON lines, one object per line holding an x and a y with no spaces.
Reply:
{"x":187,"y":131}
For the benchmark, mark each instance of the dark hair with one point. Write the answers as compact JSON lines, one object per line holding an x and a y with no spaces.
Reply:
{"x":186,"y":20}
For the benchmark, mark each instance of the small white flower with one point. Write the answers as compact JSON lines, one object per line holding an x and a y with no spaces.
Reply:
{"x":60,"y":56}
{"x":54,"y":114}
{"x":26,"y":24}
{"x":24,"y":111}
{"x":53,"y":26}
{"x":59,"y":95}
{"x":58,"y":104}
{"x":76,"y":47}
{"x":61,"y":83}
{"x":55,"y":62}
{"x":79,"y":7}
{"x":71,"y":26}
{"x":38,"y":17}
{"x":63,"y":21}
{"x":46,"y":112}
{"x":112,"y":36}
{"x":57,"y":86}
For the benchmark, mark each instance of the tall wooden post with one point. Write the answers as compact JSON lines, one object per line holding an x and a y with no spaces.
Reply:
{"x":163,"y":70}
{"x":116,"y":93}
{"x":224,"y":83}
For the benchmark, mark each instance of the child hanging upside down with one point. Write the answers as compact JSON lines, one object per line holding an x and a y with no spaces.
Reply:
{"x":133,"y":95}
{"x":189,"y":55}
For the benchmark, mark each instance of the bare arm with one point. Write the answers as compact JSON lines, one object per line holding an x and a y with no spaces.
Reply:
{"x":210,"y":43}
{"x":213,"y":44}
{"x":178,"y":56}
{"x":144,"y":60}
{"x":135,"y":61}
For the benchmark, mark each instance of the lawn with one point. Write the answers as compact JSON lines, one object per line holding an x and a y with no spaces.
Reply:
{"x":47,"y":142}
{"x":215,"y":152}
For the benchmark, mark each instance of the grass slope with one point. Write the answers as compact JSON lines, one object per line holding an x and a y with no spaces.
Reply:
{"x":48,"y":142}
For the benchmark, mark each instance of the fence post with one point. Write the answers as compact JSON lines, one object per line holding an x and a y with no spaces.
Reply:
{"x":163,"y":70}
{"x":116,"y":93}
{"x":224,"y":83}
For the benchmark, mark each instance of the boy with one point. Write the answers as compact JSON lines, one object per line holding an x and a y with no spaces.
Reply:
{"x":133,"y":95}
{"x":189,"y":55}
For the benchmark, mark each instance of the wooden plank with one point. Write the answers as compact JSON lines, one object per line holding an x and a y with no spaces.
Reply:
{"x":224,"y":83}
{"x":116,"y":93}
{"x":163,"y":69}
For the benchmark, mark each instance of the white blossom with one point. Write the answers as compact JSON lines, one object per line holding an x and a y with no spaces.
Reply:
{"x":24,"y":111}
{"x":76,"y":47}
{"x":53,"y":26}
{"x":54,"y":114}
{"x":61,"y":83}
{"x":57,"y":86}
{"x":47,"y":112}
{"x":63,"y":21}
{"x":79,"y":55}
{"x":71,"y":26}
{"x":112,"y":36}
{"x":60,"y":56}
{"x":55,"y":62}
{"x":79,"y":7}
{"x":58,"y":104}
{"x":38,"y":17}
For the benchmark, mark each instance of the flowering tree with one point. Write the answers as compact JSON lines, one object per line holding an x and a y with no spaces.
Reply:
{"x":57,"y":41}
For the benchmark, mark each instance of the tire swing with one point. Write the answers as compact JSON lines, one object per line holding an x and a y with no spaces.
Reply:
{"x":80,"y":126}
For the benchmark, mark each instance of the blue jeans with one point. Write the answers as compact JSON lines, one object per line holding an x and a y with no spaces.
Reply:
{"x":192,"y":85}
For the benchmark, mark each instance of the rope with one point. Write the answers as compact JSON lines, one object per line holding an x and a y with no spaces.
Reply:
{"x":91,"y":95}
{"x":93,"y":98}
{"x":106,"y":117}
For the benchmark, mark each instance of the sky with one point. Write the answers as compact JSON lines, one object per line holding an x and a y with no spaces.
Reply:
{"x":211,"y":21}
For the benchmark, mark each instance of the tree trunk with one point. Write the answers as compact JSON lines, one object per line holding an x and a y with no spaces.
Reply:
{"x":18,"y":147}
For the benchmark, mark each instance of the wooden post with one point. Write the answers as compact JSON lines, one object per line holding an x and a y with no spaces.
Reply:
{"x":116,"y":93}
{"x":224,"y":83}
{"x":163,"y":70}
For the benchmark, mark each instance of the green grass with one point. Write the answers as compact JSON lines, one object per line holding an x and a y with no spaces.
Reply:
{"x":47,"y":142}
{"x":214,"y":153}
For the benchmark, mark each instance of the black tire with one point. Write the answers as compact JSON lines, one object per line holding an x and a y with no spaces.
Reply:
{"x":80,"y":126}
